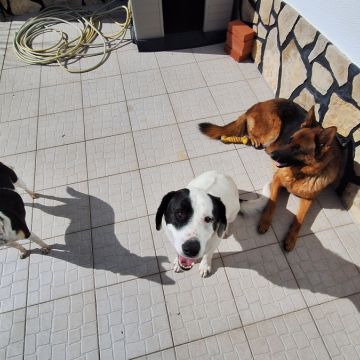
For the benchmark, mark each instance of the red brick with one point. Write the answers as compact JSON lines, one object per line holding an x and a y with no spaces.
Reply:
{"x":241,"y":30}
{"x":237,"y":44}
{"x":237,"y":55}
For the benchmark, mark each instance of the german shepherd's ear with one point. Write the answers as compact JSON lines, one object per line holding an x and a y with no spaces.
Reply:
{"x":162,"y":208}
{"x":310,"y":119}
{"x":326,"y":137}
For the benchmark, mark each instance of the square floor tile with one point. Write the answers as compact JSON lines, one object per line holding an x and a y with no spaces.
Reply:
{"x":263,"y":284}
{"x":60,"y":129}
{"x":242,"y":235}
{"x":249,"y":69}
{"x":13,"y":279}
{"x":61,"y":210}
{"x":106,"y":120}
{"x":116,"y":198}
{"x":60,"y":165}
{"x":107,"y":69}
{"x":258,"y":165}
{"x":220,"y":71}
{"x":261,"y":89}
{"x":233,"y":97}
{"x":66,"y":270}
{"x":123,"y":251}
{"x":323,"y":268}
{"x":19,"y":105}
{"x":134,"y":61}
{"x":10,"y":59}
{"x":228,"y":163}
{"x":193,"y":104}
{"x":165,"y":251}
{"x":199,"y":307}
{"x":284,"y":215}
{"x":102,"y":91}
{"x":59,"y":98}
{"x":292,"y":336}
{"x":168,"y":354}
{"x":24,"y":167}
{"x":159,"y":146}
{"x":334,"y":208}
{"x":18,"y":136}
{"x":198,"y":144}
{"x":19,"y":79}
{"x":349,"y":236}
{"x":110,"y":155}
{"x":173,"y":58}
{"x":210,"y":52}
{"x":143,"y":84}
{"x":52,"y":75}
{"x":132,"y":319}
{"x":339,"y":324}
{"x":65,"y":326}
{"x":12,"y":332}
{"x":159,"y":180}
{"x":228,"y":345}
{"x":150,"y":112}
{"x":183,"y":77}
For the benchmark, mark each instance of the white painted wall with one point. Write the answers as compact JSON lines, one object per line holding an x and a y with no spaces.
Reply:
{"x":337,"y":20}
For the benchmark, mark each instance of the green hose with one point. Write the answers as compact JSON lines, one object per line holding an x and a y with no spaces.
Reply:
{"x":87,"y":24}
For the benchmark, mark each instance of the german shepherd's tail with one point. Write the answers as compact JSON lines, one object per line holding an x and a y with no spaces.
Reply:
{"x":235,"y":128}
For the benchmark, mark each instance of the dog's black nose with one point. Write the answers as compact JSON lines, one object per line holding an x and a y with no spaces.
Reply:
{"x":275,"y":155}
{"x":191,"y":247}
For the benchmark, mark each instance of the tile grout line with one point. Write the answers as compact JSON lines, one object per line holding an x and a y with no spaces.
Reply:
{"x":6,"y":49}
{"x":237,"y":308}
{"x":152,"y":236}
{"x":32,"y":212}
{"x":90,"y":220}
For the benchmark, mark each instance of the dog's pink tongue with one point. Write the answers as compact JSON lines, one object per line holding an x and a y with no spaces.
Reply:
{"x":186,"y":263}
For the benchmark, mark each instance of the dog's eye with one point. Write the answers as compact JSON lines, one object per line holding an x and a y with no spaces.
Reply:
{"x":180,"y":215}
{"x":208,"y":219}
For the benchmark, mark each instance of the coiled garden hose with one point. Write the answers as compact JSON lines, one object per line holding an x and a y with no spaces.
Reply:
{"x":87,"y":23}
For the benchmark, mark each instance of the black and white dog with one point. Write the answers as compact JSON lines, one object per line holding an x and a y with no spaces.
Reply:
{"x":13,"y":226}
{"x":197,"y":217}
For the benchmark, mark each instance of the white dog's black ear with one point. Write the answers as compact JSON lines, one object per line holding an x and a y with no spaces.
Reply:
{"x":161,"y":210}
{"x":219,"y":214}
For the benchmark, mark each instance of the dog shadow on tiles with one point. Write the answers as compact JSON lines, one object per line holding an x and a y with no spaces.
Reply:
{"x":320,"y":265}
{"x":112,"y":250}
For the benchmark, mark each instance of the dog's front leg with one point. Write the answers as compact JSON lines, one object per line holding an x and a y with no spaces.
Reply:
{"x":269,"y":210}
{"x":205,"y":264}
{"x":20,"y":183}
{"x":45,"y":248}
{"x":293,"y":233}
{"x":24,"y":253}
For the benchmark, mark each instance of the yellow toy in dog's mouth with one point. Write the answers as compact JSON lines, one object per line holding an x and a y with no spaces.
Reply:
{"x":234,"y":139}
{"x":185,"y":263}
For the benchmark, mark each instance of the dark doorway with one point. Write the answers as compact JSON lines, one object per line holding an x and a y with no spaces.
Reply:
{"x":183,"y":15}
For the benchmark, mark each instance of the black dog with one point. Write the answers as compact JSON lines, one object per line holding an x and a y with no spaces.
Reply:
{"x":13,"y":225}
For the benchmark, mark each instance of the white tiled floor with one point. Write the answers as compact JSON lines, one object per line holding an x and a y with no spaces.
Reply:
{"x":103,"y":148}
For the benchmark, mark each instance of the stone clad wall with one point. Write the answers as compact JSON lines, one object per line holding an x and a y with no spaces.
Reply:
{"x":299,"y":63}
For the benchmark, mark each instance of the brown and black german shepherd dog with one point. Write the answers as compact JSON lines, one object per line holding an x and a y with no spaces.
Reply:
{"x":308,"y":157}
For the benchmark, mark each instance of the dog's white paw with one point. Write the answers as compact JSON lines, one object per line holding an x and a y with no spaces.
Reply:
{"x":204,"y":268}
{"x":45,"y":250}
{"x":177,"y":267}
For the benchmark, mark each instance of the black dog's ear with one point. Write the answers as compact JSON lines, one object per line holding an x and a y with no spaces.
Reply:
{"x":163,"y":205}
{"x":219,"y":213}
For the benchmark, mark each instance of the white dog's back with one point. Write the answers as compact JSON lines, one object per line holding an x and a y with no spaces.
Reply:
{"x":221,"y":186}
